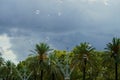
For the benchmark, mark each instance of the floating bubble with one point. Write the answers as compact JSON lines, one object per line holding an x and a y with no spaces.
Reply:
{"x":59,"y":13}
{"x":37,"y":11}
{"x":47,"y":39}
{"x":48,"y":14}
{"x":106,"y":3}
{"x":60,"y":1}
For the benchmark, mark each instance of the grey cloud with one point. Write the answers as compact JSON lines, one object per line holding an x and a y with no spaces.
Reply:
{"x":66,"y":23}
{"x":22,"y":15}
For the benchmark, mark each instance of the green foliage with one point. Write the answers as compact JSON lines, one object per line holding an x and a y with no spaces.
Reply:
{"x":51,"y":65}
{"x":114,"y":49}
{"x":42,"y":48}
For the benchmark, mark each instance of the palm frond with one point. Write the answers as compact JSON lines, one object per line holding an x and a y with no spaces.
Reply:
{"x":113,"y":47}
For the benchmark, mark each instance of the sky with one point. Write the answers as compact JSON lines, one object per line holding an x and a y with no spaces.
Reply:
{"x":60,"y":23}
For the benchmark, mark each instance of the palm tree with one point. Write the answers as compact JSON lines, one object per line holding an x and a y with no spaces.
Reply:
{"x":114,"y":48}
{"x":82,"y":52}
{"x":54,"y":72}
{"x":41,"y":49}
{"x":1,"y":65}
{"x":8,"y":70}
{"x":32,"y":62}
{"x":1,"y":60}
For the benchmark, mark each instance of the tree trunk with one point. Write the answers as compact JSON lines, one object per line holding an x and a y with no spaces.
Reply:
{"x":35,"y":76}
{"x":116,"y":72}
{"x":41,"y":73}
{"x":34,"y":73}
{"x":41,"y":78}
{"x":116,"y":65}
{"x":84,"y":70}
{"x":53,"y":76}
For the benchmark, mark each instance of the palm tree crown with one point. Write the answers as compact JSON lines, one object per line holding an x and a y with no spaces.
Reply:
{"x":83,"y":49}
{"x":42,"y":49}
{"x":114,"y":47}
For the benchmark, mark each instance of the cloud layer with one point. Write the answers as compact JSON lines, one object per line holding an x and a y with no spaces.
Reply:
{"x":5,"y":49}
{"x":60,"y":23}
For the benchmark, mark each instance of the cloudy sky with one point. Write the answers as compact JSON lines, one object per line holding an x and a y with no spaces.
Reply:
{"x":60,"y":23}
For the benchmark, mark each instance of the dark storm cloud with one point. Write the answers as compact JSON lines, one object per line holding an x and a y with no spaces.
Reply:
{"x":21,"y":14}
{"x":65,"y":23}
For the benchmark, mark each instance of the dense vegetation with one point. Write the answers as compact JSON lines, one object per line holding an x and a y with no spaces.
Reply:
{"x":83,"y":62}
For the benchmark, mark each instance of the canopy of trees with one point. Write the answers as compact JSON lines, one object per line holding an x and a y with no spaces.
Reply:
{"x":83,"y":62}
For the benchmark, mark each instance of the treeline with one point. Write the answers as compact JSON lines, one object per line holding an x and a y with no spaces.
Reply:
{"x":83,"y":62}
